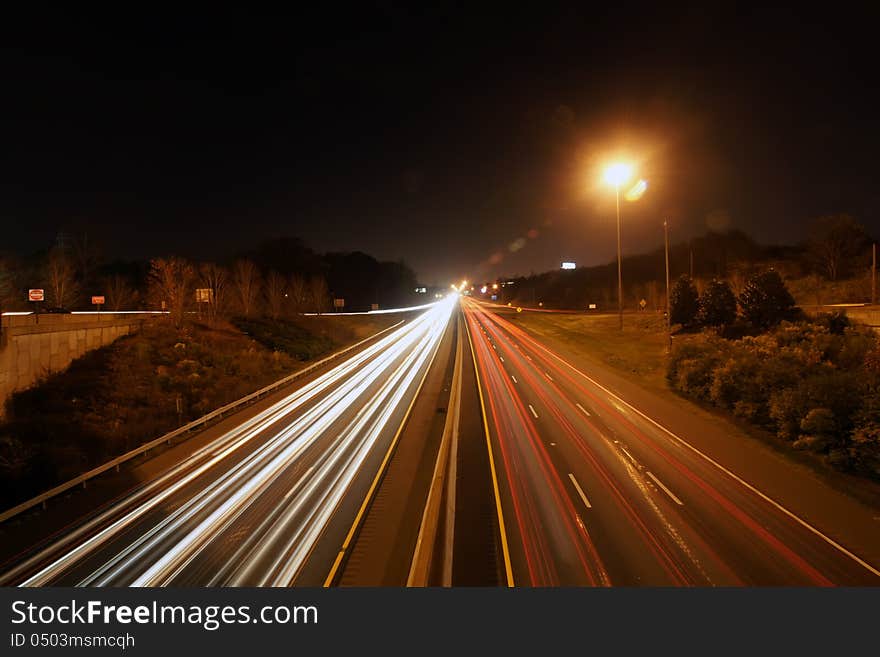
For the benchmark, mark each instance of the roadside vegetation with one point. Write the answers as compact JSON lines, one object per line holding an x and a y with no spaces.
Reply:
{"x":813,"y":382}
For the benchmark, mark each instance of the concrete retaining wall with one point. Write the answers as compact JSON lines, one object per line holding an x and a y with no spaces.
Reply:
{"x":33,"y":346}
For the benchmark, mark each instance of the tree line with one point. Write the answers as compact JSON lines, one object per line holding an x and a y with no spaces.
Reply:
{"x":279,"y":277}
{"x":837,"y":248}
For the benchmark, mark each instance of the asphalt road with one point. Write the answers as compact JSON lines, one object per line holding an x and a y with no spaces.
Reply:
{"x":268,"y":502}
{"x":593,"y":491}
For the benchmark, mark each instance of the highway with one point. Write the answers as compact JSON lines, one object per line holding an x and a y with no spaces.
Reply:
{"x":267,"y":503}
{"x":551,"y":478}
{"x":593,"y":491}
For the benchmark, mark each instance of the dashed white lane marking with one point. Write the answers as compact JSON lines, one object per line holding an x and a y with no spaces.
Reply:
{"x":580,"y":491}
{"x":665,"y":490}
{"x":629,"y":455}
{"x":531,"y":408}
{"x":549,"y":377}
{"x":502,"y":358}
{"x":586,"y":412}
{"x":513,"y":377}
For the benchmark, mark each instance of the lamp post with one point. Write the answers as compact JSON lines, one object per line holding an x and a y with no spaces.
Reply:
{"x":668,"y":309}
{"x":616,"y":175}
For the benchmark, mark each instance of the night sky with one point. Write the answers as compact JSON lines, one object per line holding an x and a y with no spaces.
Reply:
{"x":463,"y":144}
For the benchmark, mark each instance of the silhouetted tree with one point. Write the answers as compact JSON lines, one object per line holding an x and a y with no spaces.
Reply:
{"x":298,"y":289}
{"x":215,"y":278}
{"x":171,"y":280}
{"x":275,"y":291}
{"x":246,"y":279}
{"x":319,"y":293}
{"x":61,"y":278}
{"x":766,"y":301}
{"x":717,"y":305}
{"x":683,"y":301}
{"x":120,"y":294}
{"x":834,"y":241}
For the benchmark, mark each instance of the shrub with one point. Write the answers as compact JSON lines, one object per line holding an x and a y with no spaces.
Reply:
{"x":683,"y":302}
{"x":766,"y":301}
{"x":692,"y":365}
{"x":717,"y":305}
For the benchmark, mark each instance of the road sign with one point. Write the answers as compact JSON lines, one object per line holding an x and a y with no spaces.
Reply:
{"x":36,"y":295}
{"x":339,"y":303}
{"x":98,"y":301}
{"x":204,"y":295}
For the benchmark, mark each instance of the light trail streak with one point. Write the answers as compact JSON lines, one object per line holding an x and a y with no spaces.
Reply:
{"x":331,"y":424}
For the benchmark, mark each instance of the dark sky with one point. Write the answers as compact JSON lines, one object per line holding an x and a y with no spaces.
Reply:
{"x":463,"y":143}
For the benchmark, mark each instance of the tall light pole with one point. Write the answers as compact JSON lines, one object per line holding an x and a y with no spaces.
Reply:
{"x":668,"y":309}
{"x":616,"y":175}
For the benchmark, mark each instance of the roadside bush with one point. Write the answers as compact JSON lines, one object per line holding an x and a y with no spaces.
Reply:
{"x":691,"y":366}
{"x":684,"y":302}
{"x":766,"y":301}
{"x":815,"y":385}
{"x":717,"y":305}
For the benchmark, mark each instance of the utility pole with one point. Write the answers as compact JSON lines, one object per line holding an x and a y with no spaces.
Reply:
{"x":874,"y":274}
{"x":668,"y":309}
{"x":619,"y":275}
{"x":691,"y":247}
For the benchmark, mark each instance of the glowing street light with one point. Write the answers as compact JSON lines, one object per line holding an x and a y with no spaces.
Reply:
{"x":617,"y":174}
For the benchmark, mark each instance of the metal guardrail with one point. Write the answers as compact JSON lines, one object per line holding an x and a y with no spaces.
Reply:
{"x":166,"y":438}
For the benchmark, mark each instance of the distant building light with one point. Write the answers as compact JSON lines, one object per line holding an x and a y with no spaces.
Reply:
{"x":510,"y":282}
{"x":592,"y":306}
{"x":421,"y":290}
{"x":568,"y":265}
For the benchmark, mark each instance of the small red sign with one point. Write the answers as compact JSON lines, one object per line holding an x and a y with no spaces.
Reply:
{"x":36,"y":295}
{"x":98,"y":301}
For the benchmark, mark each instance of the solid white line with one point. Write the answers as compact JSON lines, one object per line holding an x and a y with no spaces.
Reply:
{"x":734,"y":476}
{"x":586,"y":412}
{"x":513,"y":377}
{"x":666,"y":490}
{"x":580,"y":491}
{"x":533,"y":411}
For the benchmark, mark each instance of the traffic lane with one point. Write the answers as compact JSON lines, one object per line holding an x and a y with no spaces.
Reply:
{"x":637,"y":543}
{"x":196,"y":481}
{"x":356,"y":362}
{"x":308,"y":501}
{"x":549,"y":543}
{"x":382,"y":549}
{"x":761,"y":543}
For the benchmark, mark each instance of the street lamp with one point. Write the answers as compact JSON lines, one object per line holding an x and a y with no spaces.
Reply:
{"x":616,"y":174}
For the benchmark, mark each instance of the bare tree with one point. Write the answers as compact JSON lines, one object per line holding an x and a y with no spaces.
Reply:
{"x":275,"y":291}
{"x":61,"y":278}
{"x":319,"y":293}
{"x":298,"y":291}
{"x":119,"y":293}
{"x":216,"y":279}
{"x":246,"y":279}
{"x":86,"y":256}
{"x":834,"y":241}
{"x":171,"y":282}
